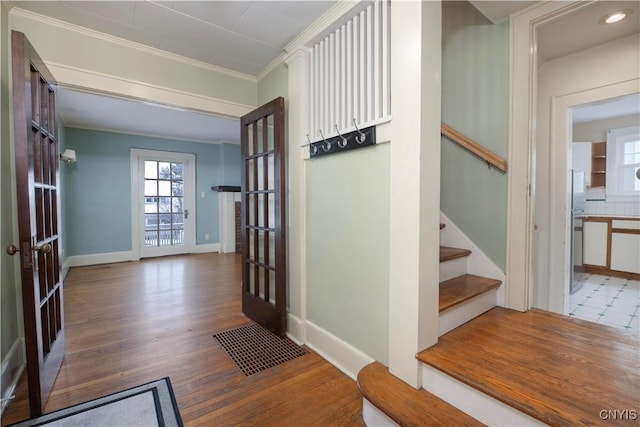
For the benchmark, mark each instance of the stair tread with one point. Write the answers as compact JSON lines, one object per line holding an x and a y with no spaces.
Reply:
{"x":406,"y":405}
{"x":462,"y":288}
{"x":448,"y":253}
{"x":557,"y":369}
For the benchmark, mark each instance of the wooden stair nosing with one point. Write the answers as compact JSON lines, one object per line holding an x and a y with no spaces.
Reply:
{"x":462,"y":288}
{"x":406,"y":405}
{"x":448,"y":253}
{"x":557,"y":369}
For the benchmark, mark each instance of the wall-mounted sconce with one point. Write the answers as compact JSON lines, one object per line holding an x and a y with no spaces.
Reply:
{"x":68,"y":156}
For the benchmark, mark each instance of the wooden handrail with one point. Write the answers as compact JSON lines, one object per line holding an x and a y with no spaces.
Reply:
{"x":477,"y":149}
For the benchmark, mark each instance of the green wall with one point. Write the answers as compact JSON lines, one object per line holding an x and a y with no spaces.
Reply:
{"x":475,"y":78}
{"x":98,"y":187}
{"x":347,"y":238}
{"x":348,"y":247}
{"x":273,"y":85}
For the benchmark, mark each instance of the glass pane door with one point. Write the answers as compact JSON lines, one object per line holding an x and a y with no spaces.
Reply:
{"x":263,"y":216}
{"x":163,"y":203}
{"x":164,"y":212}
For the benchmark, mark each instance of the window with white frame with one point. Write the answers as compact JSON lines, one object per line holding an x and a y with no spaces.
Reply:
{"x":623,"y":161}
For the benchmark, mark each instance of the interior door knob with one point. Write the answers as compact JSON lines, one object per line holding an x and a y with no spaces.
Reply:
{"x":12,"y":250}
{"x":45,"y":248}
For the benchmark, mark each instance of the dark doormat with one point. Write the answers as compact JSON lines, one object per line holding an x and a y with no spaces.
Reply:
{"x":254,"y":348}
{"x":151,"y":404}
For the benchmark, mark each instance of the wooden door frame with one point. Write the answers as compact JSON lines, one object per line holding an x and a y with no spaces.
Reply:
{"x":272,"y":317}
{"x":523,"y":84}
{"x":37,"y":377}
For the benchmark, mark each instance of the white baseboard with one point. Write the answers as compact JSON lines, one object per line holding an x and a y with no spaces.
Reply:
{"x":210,"y":247}
{"x":12,"y":367}
{"x":339,"y":353}
{"x":478,"y":262}
{"x":473,"y":402}
{"x":374,"y":417}
{"x":296,"y":329}
{"x":95,"y":259}
{"x":65,"y":269}
{"x":124,"y":256}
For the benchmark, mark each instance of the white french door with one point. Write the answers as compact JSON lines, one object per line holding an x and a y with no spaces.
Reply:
{"x":163,"y":203}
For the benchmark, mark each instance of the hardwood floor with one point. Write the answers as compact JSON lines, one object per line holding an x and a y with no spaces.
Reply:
{"x":559,"y":370}
{"x":131,"y":323}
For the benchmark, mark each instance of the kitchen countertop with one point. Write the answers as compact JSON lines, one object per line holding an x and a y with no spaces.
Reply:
{"x":604,"y":216}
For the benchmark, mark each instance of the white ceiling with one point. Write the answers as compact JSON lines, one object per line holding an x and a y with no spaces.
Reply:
{"x":606,"y":109}
{"x":498,"y":11}
{"x":246,"y":36}
{"x":87,"y":111}
{"x":582,"y":29}
{"x":243,"y":36}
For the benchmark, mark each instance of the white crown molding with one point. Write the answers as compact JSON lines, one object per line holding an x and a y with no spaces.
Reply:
{"x":94,"y":82}
{"x":272,"y":66}
{"x":129,"y":44}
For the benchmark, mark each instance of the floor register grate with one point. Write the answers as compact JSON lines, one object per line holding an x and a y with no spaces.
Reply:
{"x":254,"y":348}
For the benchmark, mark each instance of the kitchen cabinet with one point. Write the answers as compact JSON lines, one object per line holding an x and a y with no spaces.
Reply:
{"x":625,"y":246}
{"x":595,"y":242}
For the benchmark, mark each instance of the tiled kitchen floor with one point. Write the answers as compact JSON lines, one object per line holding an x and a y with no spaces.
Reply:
{"x":608,"y":300}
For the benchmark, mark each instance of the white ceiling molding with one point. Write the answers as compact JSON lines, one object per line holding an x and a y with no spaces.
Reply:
{"x":129,"y":44}
{"x":90,"y":81}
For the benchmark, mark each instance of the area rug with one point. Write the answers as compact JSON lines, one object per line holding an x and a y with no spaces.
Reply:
{"x":254,"y":348}
{"x":147,"y":405}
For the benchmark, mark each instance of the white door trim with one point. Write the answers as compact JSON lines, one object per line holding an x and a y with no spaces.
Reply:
{"x":137,"y":176}
{"x":560,"y":133}
{"x":521,"y":176}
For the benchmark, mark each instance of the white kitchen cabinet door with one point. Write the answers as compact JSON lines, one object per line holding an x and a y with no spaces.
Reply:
{"x":595,"y":243}
{"x":625,"y":252}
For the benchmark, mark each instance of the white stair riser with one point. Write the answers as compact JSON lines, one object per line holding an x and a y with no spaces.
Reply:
{"x":473,"y":402}
{"x":453,"y":268}
{"x":462,"y":313}
{"x":374,"y":417}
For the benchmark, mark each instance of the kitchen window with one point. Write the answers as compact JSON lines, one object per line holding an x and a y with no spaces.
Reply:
{"x":623,"y":161}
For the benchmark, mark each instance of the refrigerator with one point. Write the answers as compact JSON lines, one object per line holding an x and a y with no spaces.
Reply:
{"x":578,"y":200}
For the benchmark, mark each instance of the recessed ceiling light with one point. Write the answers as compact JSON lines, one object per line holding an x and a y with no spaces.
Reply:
{"x":616,"y":16}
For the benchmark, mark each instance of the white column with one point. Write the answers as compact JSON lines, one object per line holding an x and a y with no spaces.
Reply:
{"x":414,"y":184}
{"x":298,"y":114}
{"x":227,"y":212}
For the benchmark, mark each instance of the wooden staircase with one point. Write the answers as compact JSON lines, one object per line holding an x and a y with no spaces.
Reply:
{"x":516,"y":369}
{"x":496,"y":366}
{"x":463,"y":296}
